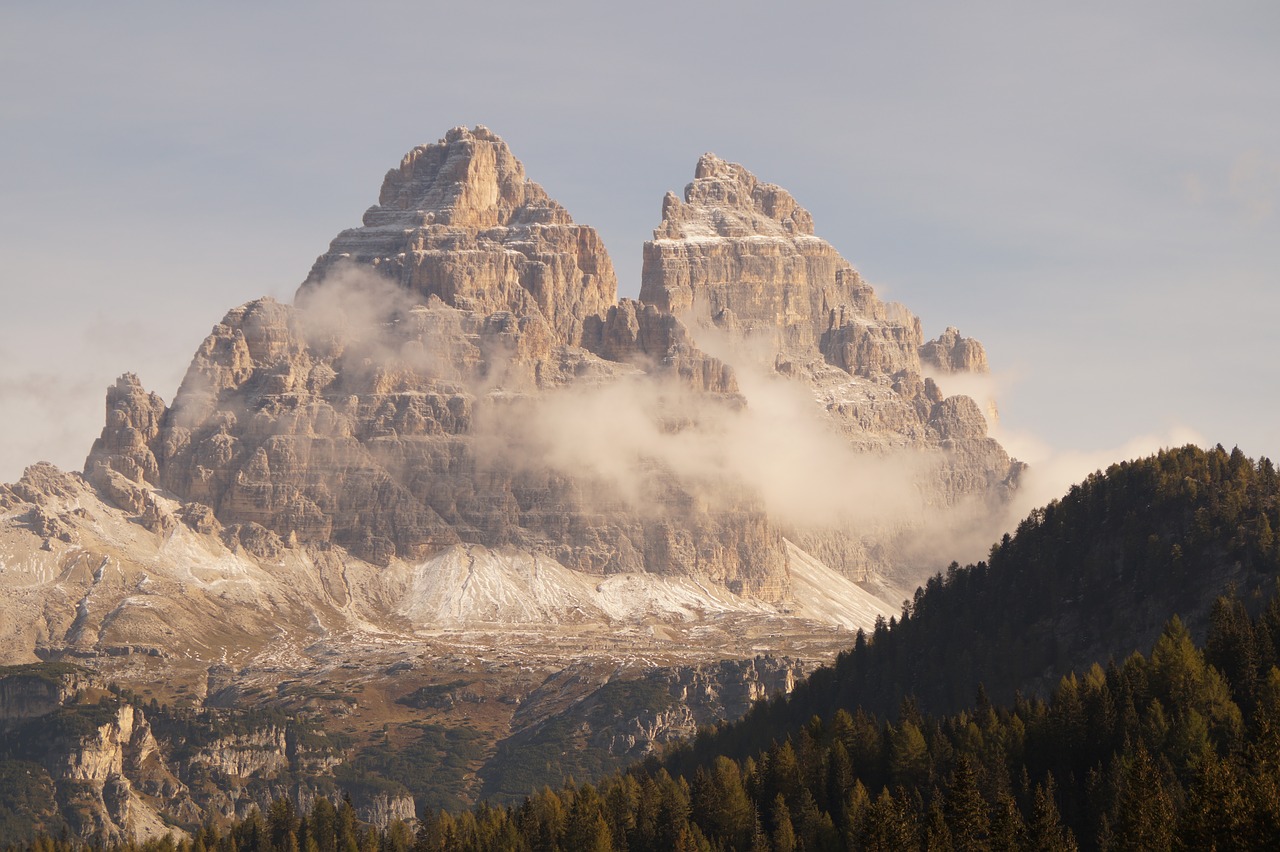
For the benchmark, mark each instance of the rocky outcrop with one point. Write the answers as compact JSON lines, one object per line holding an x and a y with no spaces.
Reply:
{"x":624,"y":718}
{"x":459,"y":220}
{"x":951,"y":352}
{"x":635,"y":333}
{"x":119,"y":778}
{"x":133,"y":422}
{"x":383,"y":808}
{"x":382,"y":412}
{"x":741,"y":255}
{"x":28,"y":692}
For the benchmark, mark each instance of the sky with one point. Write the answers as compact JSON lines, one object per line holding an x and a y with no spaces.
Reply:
{"x":1090,"y":189}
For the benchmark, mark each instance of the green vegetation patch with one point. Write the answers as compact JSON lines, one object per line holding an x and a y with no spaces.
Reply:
{"x":433,"y":767}
{"x":27,"y":804}
{"x":52,"y":672}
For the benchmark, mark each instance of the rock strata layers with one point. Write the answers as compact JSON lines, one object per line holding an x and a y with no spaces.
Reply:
{"x":391,"y":409}
{"x":456,"y":465}
{"x":382,"y":411}
{"x":459,"y":220}
{"x":741,"y":254}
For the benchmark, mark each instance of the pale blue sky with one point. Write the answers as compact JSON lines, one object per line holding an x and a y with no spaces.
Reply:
{"x":1091,"y":189}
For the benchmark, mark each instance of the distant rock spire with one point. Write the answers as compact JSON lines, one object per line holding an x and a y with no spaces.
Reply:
{"x":951,"y":352}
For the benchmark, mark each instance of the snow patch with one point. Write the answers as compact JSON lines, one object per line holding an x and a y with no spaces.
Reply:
{"x":823,"y":594}
{"x":471,"y":585}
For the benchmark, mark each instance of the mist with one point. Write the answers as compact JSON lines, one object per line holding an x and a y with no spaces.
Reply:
{"x":636,"y":436}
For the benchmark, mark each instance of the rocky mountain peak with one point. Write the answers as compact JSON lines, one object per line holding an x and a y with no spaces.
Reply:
{"x":460,"y":221}
{"x":439,"y":422}
{"x":744,"y":253}
{"x":726,"y":200}
{"x":952,"y":352}
{"x":741,"y":254}
{"x":469,"y":178}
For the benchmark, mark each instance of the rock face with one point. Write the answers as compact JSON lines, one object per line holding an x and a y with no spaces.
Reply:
{"x":953,"y":353}
{"x":387,"y":410}
{"x":742,"y":255}
{"x":459,"y":220}
{"x":351,"y":417}
{"x":120,"y":776}
{"x":626,"y":719}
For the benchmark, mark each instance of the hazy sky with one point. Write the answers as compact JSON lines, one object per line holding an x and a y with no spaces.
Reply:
{"x":1091,"y":189}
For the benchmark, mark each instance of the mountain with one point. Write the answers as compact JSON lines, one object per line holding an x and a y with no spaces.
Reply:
{"x":458,"y":465}
{"x":440,"y":376}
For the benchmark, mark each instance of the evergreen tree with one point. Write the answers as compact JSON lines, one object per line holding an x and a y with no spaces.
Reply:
{"x":1144,"y":813}
{"x":784,"y":835}
{"x":1045,"y":833}
{"x":965,"y":809}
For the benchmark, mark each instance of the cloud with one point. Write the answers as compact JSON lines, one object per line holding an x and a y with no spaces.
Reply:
{"x":651,"y":444}
{"x":639,"y":435}
{"x":49,"y":416}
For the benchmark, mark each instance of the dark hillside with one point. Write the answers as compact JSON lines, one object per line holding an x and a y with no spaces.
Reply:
{"x":1088,"y":578}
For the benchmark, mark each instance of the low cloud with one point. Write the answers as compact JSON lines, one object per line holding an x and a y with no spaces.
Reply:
{"x":50,"y":416}
{"x":638,"y":434}
{"x":654,"y":444}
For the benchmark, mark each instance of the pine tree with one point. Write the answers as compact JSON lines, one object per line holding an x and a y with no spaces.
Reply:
{"x":1045,"y":833}
{"x":937,"y":834}
{"x":966,"y":810}
{"x":721,"y":804}
{"x":1144,"y":813}
{"x":887,"y":825}
{"x":909,"y":763}
{"x":784,"y":835}
{"x":1008,"y":833}
{"x":1215,"y":815}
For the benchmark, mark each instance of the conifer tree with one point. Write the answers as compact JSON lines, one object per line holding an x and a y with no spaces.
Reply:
{"x":965,"y":809}
{"x":1045,"y":833}
{"x":784,"y":835}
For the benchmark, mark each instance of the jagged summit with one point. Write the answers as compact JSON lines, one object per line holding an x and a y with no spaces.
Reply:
{"x":726,"y":200}
{"x":742,"y":252}
{"x":473,"y":414}
{"x":469,"y":178}
{"x":460,"y":220}
{"x":952,"y":352}
{"x":389,"y":440}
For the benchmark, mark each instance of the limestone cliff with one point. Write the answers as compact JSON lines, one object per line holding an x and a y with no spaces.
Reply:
{"x":369,"y":414}
{"x":625,"y":719}
{"x":381,"y":411}
{"x":122,"y":774}
{"x":459,"y":220}
{"x":742,"y":255}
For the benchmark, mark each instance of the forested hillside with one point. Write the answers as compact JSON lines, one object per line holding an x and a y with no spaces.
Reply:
{"x":1090,"y":577}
